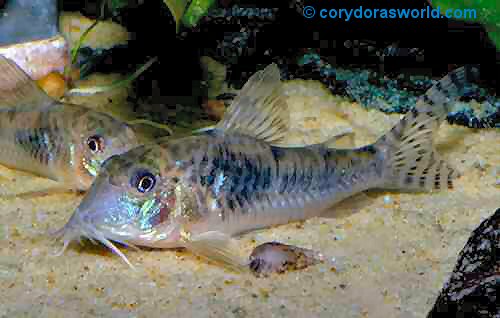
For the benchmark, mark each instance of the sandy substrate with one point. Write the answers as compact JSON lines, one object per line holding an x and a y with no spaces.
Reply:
{"x":390,"y":253}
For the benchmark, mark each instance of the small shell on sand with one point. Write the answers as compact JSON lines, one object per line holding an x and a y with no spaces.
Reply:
{"x":274,"y":257}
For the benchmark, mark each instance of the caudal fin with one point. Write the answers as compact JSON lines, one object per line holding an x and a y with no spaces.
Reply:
{"x":411,"y":162}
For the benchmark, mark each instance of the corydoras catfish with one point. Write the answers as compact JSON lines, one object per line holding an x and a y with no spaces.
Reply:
{"x":63,"y":142}
{"x":199,"y":192}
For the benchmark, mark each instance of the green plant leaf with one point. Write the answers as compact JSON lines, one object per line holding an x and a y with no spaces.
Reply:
{"x":196,"y":10}
{"x":494,"y":34}
{"x":177,"y":8}
{"x":117,"y":4}
{"x":120,"y":83}
{"x":487,"y":13}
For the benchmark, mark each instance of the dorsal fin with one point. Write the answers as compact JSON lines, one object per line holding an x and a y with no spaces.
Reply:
{"x":260,"y":109}
{"x":17,"y":89}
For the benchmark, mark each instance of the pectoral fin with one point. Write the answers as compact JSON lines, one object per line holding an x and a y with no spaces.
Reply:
{"x":215,"y":246}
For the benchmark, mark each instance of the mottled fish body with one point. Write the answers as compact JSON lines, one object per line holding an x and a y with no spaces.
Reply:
{"x":63,"y":142}
{"x":199,"y":191}
{"x":238,"y":183}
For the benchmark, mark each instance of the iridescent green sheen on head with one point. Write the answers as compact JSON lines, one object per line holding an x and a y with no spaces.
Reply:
{"x":147,"y":212}
{"x":138,"y":198}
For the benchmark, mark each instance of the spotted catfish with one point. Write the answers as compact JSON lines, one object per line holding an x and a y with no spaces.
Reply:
{"x":63,"y":142}
{"x":201,"y":191}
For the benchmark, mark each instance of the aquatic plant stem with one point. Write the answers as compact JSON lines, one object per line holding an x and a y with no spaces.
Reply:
{"x":120,"y":83}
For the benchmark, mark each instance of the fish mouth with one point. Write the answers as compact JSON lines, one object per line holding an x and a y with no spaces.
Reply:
{"x":76,"y":229}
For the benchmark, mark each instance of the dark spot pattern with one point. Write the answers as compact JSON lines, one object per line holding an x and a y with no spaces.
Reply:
{"x":234,"y":178}
{"x":38,"y":143}
{"x":242,"y":177}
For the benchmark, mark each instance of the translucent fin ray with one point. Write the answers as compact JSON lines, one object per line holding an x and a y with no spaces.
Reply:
{"x":260,"y":109}
{"x":412,"y":162}
{"x":17,"y":89}
{"x":216,"y":246}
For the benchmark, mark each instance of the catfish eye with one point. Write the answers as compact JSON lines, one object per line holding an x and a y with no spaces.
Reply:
{"x":95,"y":143}
{"x":144,"y":181}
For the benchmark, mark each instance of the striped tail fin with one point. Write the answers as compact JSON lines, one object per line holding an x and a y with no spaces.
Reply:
{"x":410,"y":161}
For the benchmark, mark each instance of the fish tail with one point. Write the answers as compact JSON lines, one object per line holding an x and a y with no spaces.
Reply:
{"x":411,"y":162}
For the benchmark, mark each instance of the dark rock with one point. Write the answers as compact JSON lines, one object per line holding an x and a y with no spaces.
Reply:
{"x":472,"y":290}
